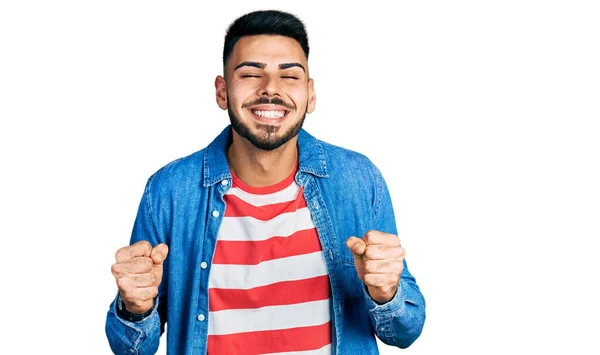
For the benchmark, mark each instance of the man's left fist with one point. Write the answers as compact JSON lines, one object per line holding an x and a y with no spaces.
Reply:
{"x":379,"y":261}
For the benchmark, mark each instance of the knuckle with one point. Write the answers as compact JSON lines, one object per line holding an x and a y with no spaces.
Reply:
{"x":122,"y":285}
{"x":144,"y":263}
{"x":119,"y":253}
{"x":137,"y":278}
{"x":114,"y":269}
{"x":370,"y":266}
{"x":373,"y":251}
{"x":376,"y":281}
{"x":370,"y":235}
{"x":126,"y":295}
{"x":398,"y":265}
{"x":144,"y":245}
{"x":370,"y":251}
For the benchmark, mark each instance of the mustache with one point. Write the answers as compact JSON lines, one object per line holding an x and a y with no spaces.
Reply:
{"x":266,"y":101}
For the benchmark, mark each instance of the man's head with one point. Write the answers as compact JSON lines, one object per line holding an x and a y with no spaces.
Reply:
{"x":266,"y":86}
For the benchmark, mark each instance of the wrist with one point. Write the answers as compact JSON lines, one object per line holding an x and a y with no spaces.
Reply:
{"x":123,"y":313}
{"x":381,"y":297}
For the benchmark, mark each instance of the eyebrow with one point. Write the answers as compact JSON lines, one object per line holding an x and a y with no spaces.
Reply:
{"x":263,"y":65}
{"x":290,"y":65}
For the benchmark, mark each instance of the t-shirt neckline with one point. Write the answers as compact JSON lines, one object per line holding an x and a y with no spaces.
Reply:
{"x":236,"y":182}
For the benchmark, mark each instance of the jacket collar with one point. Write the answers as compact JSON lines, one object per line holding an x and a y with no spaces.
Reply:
{"x":311,"y":158}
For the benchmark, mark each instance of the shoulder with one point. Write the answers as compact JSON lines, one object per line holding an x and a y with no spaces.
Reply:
{"x":181,"y":173}
{"x":352,"y":179}
{"x":348,"y":164}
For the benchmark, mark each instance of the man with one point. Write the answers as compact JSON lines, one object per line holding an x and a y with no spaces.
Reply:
{"x":268,"y":240}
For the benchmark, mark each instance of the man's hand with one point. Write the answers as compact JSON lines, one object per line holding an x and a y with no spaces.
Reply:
{"x":138,"y":272}
{"x":379,"y":261}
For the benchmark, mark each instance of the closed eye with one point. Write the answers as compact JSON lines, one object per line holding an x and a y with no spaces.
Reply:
{"x":250,"y":76}
{"x":290,"y":77}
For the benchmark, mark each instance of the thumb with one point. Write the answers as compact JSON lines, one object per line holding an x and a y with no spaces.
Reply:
{"x":357,"y":247}
{"x":159,"y":254}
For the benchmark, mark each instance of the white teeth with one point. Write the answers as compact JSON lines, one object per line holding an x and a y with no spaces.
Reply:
{"x":269,"y":114}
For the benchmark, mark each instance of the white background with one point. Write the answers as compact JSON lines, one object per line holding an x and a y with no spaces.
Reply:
{"x":483,"y":117}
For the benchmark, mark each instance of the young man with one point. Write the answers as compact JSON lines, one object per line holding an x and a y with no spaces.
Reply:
{"x":268,"y":240}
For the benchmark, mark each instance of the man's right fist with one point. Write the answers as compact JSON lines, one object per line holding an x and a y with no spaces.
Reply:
{"x":138,"y":272}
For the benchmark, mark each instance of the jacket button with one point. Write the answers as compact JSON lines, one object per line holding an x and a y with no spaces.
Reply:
{"x":215,"y":213}
{"x":203,"y":264}
{"x":201,"y":317}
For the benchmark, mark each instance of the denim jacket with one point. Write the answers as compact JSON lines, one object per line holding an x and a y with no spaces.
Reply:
{"x":183,"y":206}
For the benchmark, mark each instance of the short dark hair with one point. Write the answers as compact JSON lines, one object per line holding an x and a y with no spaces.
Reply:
{"x":267,"y":22}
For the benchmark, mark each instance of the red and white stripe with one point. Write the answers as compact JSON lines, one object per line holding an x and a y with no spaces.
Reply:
{"x":268,"y":285}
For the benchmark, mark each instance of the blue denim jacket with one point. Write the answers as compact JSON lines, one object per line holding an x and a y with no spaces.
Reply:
{"x":183,"y":206}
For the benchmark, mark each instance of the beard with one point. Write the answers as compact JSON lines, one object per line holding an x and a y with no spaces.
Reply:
{"x":267,"y":137}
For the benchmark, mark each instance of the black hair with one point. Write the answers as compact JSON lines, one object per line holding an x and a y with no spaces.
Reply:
{"x":268,"y":22}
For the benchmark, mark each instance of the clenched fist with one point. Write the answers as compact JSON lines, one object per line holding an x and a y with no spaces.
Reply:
{"x":379,"y":261}
{"x":138,"y":272}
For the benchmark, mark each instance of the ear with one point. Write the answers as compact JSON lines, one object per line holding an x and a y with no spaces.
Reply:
{"x":221,"y":92}
{"x":312,"y":97}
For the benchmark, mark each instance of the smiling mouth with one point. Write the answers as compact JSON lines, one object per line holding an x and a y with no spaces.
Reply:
{"x":270,"y":114}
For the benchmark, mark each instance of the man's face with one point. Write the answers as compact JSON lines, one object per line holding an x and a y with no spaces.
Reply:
{"x":267,"y":91}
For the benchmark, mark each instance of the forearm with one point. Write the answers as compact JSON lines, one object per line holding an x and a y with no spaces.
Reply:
{"x":129,"y":338}
{"x":400,"y":321}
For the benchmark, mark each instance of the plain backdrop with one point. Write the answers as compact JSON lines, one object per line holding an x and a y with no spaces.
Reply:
{"x":482,"y":115}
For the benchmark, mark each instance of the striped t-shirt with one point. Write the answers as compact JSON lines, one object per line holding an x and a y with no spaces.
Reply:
{"x":268,"y":284}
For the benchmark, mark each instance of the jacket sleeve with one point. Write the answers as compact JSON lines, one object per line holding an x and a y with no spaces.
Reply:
{"x":140,"y":337}
{"x":400,"y":321}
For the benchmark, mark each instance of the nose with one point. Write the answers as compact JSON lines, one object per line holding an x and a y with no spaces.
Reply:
{"x":269,"y":86}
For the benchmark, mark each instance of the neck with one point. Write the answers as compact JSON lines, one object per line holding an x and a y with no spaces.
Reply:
{"x":259,"y":168}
